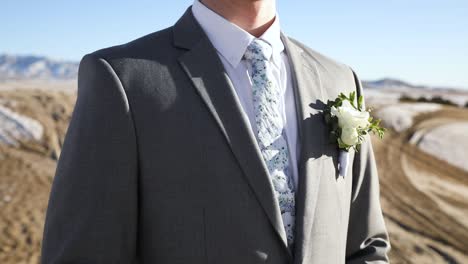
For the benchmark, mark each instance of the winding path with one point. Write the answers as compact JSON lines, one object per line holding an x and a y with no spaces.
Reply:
{"x":425,"y":200}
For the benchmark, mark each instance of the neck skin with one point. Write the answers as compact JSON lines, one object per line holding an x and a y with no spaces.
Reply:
{"x":253,"y":16}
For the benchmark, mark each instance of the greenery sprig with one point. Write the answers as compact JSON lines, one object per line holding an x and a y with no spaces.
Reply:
{"x":349,"y":122}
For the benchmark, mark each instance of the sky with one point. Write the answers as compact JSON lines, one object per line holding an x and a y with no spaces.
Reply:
{"x":420,"y":41}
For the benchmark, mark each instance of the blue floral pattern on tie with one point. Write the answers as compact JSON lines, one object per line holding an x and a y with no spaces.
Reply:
{"x":269,"y":124}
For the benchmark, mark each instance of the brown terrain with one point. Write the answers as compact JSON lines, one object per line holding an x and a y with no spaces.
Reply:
{"x":27,"y":170}
{"x":424,"y":198}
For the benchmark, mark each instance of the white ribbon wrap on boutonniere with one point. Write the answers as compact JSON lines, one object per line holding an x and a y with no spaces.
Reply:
{"x":343,"y":161}
{"x":349,"y":122}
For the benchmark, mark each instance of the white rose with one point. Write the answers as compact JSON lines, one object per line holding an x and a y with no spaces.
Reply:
{"x":349,"y":135}
{"x":348,"y":116}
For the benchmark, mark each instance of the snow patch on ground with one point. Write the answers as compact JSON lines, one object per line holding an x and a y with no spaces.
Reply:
{"x":399,"y":117}
{"x":447,"y":142}
{"x":15,"y":128}
{"x":377,"y":98}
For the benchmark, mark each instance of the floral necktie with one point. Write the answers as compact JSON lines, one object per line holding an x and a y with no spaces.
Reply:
{"x":269,"y":124}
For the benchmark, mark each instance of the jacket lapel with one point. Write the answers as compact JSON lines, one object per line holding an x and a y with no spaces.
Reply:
{"x":309,"y":96}
{"x":206,"y":71}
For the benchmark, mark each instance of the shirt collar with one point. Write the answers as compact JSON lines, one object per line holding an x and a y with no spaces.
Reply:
{"x":230,"y":40}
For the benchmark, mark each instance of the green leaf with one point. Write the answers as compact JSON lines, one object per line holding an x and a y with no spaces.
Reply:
{"x":341,"y":98}
{"x":357,"y":148}
{"x":341,"y":144}
{"x":352,"y":96}
{"x":360,"y":102}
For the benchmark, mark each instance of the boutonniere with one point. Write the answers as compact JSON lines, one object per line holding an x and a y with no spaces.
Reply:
{"x":349,"y":122}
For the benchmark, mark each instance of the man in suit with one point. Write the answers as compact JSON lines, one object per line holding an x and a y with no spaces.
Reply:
{"x":205,"y":143}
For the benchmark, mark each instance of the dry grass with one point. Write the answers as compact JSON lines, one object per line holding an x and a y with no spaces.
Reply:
{"x":26,"y":172}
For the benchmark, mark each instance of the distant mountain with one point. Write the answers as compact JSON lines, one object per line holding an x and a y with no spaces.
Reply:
{"x":18,"y":67}
{"x":391,"y":83}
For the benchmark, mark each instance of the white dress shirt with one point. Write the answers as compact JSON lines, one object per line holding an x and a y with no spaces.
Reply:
{"x":230,"y":42}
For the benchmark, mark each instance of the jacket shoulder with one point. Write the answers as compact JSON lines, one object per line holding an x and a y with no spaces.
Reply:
{"x":324,"y":62}
{"x":151,"y":44}
{"x":336,"y":77}
{"x":130,"y":61}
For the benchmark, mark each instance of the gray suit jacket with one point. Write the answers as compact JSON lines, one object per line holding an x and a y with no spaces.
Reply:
{"x":159,"y":165}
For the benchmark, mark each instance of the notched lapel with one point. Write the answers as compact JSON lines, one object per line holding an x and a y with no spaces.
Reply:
{"x":313,"y":134}
{"x":206,"y":71}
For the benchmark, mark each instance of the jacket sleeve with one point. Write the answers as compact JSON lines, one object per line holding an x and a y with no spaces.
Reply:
{"x":368,"y":240}
{"x":92,"y":210}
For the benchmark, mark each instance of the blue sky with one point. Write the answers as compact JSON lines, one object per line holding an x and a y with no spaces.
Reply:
{"x":421,"y":41}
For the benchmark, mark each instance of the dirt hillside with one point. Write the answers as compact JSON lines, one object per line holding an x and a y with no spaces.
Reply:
{"x":26,"y":172}
{"x":425,"y":199}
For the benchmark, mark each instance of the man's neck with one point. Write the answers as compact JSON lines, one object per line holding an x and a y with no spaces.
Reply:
{"x":254,"y":16}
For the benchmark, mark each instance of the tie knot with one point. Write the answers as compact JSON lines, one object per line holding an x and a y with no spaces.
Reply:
{"x":258,"y":50}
